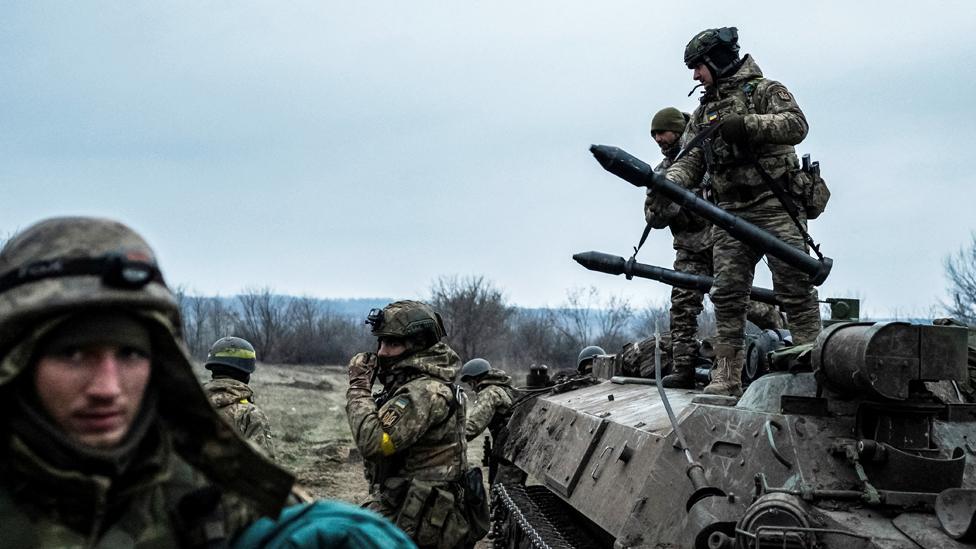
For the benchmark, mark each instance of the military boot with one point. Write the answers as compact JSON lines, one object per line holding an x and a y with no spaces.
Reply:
{"x":726,"y":372}
{"x":682,"y":378}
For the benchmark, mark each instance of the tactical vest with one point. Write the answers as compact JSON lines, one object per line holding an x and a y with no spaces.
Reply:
{"x":726,"y":162}
{"x":440,"y":454}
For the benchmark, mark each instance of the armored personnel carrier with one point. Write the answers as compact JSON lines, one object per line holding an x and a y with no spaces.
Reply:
{"x":862,"y":441}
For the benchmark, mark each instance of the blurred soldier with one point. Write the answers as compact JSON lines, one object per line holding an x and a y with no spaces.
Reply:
{"x":491,"y":410}
{"x":412,"y":434}
{"x":760,"y":124}
{"x":231,"y":361}
{"x":584,"y":362}
{"x":106,"y":439}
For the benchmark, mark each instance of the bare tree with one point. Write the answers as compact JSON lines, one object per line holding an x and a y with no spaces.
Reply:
{"x":475,"y":313}
{"x":960,"y":270}
{"x":263,"y":321}
{"x":588,"y":319}
{"x":534,"y":338}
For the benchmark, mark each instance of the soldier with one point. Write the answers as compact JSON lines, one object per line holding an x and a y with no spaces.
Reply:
{"x":491,"y":410}
{"x":495,"y":397}
{"x":106,"y":439}
{"x":584,"y":362}
{"x":760,"y":124}
{"x":231,"y":361}
{"x":412,"y":434}
{"x":693,"y":254}
{"x":693,"y":251}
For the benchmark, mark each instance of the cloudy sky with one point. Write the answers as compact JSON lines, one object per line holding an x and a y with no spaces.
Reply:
{"x":364,"y":148}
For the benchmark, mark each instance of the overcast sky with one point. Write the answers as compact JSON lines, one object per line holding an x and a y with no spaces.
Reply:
{"x":364,"y":148}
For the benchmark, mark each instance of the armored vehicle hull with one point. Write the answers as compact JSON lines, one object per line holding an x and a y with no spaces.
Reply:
{"x":869,"y":447}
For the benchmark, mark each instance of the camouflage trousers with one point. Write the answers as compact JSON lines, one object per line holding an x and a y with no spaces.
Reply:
{"x":686,"y":305}
{"x":735,"y":267}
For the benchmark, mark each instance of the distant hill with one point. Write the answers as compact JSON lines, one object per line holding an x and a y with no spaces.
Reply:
{"x":356,"y":307}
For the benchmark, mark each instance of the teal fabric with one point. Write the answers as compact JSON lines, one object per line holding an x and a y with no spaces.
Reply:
{"x":323,"y":524}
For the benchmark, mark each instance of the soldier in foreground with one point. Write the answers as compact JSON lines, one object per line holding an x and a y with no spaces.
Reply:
{"x":106,"y":439}
{"x":231,"y":361}
{"x":760,"y":124}
{"x":412,"y":435}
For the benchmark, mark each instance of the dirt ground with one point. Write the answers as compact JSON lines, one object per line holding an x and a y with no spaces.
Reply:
{"x":306,"y":407}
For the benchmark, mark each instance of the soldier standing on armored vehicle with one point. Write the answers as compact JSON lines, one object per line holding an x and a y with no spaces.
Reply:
{"x":760,"y":123}
{"x":693,"y":240}
{"x":692,"y":246}
{"x":412,"y":434}
{"x":231,"y":361}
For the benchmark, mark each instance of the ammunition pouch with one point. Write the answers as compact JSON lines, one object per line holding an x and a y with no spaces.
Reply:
{"x":430,"y":514}
{"x":811,"y":191}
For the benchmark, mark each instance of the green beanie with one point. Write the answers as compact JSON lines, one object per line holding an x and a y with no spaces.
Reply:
{"x":668,"y":119}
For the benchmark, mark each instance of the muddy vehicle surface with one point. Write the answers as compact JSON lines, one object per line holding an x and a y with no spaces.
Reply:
{"x":863,"y":440}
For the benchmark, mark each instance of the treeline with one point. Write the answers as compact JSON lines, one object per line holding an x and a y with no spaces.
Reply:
{"x":479,"y":320}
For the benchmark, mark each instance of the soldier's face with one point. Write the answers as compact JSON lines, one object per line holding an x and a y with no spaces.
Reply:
{"x":703,"y":75}
{"x":94,"y":393}
{"x":665,"y":139}
{"x":391,"y":347}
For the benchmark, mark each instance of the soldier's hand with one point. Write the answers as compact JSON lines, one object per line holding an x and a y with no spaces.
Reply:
{"x":734,"y":129}
{"x":361,"y":371}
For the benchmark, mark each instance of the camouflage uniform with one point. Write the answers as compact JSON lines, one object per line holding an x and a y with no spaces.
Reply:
{"x":493,"y":406}
{"x":492,"y":410}
{"x":412,"y":439}
{"x":693,"y":255}
{"x":235,"y":401}
{"x":180,"y":477}
{"x":773,"y":123}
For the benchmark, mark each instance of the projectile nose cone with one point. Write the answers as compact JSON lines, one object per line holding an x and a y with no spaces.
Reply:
{"x":582,"y":258}
{"x":604,"y":154}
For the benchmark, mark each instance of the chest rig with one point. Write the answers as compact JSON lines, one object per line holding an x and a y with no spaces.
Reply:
{"x":717,"y":105}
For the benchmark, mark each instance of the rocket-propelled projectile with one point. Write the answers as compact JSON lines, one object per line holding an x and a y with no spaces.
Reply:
{"x":640,"y":174}
{"x":616,"y":265}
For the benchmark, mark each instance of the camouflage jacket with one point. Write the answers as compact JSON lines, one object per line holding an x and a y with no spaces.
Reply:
{"x":774,"y":124}
{"x":42,"y":505}
{"x":690,"y":232}
{"x":234,"y":400}
{"x":415,"y":429}
{"x":493,"y":406}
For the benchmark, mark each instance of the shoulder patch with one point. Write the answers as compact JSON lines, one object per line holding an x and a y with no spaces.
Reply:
{"x":394,"y":411}
{"x":784,"y":95}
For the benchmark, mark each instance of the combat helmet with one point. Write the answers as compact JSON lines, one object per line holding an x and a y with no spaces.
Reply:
{"x":474,"y":369}
{"x":232,"y":352}
{"x":64,"y":266}
{"x":718,"y":49}
{"x":409,"y":320}
{"x":586,"y":356}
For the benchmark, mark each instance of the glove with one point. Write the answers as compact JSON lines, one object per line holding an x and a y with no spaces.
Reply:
{"x":361,"y":371}
{"x":734,"y":129}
